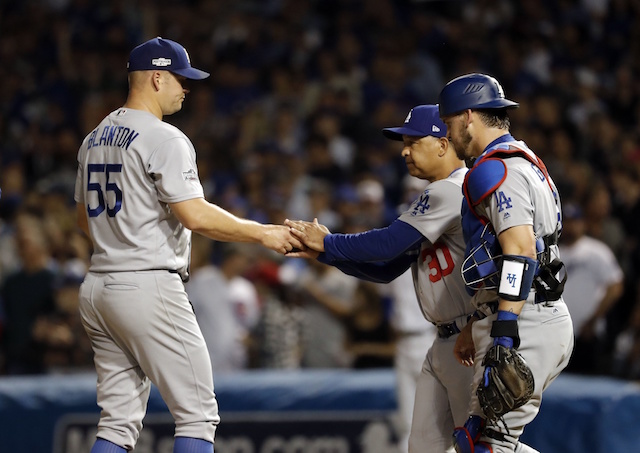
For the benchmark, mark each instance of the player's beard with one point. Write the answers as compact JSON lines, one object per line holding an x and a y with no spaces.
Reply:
{"x":462,"y":144}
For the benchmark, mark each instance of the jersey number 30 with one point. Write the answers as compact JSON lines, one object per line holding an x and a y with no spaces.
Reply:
{"x":439,"y":260}
{"x":107,"y":170}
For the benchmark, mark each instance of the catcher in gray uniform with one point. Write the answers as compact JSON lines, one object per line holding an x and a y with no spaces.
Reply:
{"x":138,"y":198}
{"x":511,"y":218}
{"x":427,"y":238}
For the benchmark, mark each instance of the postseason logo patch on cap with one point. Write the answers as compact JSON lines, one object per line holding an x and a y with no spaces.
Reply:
{"x":161,"y":62}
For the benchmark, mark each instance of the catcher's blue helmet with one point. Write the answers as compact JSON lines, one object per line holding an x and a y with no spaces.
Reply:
{"x":473,"y":91}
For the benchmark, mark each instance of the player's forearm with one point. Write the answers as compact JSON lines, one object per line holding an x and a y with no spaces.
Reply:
{"x":212,"y":221}
{"x":513,"y":307}
{"x":518,"y":241}
{"x":383,"y":244}
{"x":224,"y":226}
{"x":373,"y":272}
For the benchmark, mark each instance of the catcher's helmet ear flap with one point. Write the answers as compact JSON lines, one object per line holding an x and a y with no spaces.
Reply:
{"x":473,"y":91}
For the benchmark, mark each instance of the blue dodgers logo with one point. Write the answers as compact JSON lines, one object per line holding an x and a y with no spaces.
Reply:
{"x":512,"y":278}
{"x":502,"y":201}
{"x":421,"y":204}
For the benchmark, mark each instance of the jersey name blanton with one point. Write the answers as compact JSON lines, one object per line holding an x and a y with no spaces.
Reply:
{"x":119,"y":136}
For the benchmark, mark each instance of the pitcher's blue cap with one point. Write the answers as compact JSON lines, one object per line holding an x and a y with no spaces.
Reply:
{"x":421,"y":121}
{"x":166,"y":55}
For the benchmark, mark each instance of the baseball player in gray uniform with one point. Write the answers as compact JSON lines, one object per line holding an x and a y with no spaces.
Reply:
{"x":428,"y":238}
{"x":511,"y":219}
{"x":138,"y":198}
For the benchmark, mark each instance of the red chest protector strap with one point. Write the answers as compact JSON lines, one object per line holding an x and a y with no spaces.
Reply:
{"x":490,"y":172}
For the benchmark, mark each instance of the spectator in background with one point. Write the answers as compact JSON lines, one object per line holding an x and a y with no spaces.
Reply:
{"x":327,"y":297}
{"x":360,"y":59}
{"x":370,"y":337}
{"x":594,"y":285}
{"x":13,"y":192}
{"x":320,"y":204}
{"x":598,"y":220}
{"x":60,"y":336}
{"x":277,"y":341}
{"x":225,"y":312}
{"x":326,"y":123}
{"x":320,"y":162}
{"x":626,"y":353}
{"x":413,"y":335}
{"x":26,"y":295}
{"x":372,"y":205}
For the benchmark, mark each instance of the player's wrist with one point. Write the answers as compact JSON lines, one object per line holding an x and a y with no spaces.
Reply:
{"x":475,"y":316}
{"x":504,"y":329}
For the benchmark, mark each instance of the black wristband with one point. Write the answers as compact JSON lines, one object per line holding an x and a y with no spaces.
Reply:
{"x":505,"y":328}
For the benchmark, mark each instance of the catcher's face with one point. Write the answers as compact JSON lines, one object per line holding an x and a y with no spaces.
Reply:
{"x":459,"y":135}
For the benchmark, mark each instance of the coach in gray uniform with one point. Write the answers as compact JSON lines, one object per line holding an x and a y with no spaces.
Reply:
{"x":511,"y":219}
{"x":138,"y":198}
{"x":427,"y":238}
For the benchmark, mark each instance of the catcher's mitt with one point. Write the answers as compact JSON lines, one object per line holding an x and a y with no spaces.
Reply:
{"x":508,"y":382}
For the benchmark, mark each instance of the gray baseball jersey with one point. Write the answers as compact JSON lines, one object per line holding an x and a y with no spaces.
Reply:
{"x":137,"y":315}
{"x":129,"y":168}
{"x":523,"y":198}
{"x":526,"y":197}
{"x":442,"y":387}
{"x":437,"y":279}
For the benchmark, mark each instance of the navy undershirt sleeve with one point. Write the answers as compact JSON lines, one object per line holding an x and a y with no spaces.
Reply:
{"x":381,"y":244}
{"x":382,"y":272}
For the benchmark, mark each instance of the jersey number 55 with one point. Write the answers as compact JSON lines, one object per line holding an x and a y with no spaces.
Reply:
{"x":109,"y":186}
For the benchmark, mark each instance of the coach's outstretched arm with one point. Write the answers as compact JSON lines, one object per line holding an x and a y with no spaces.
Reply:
{"x":212,"y":221}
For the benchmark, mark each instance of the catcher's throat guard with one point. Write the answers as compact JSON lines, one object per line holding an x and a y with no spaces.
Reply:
{"x":481,"y":268}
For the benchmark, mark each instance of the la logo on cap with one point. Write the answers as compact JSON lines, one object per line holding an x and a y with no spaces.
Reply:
{"x":408,"y":116}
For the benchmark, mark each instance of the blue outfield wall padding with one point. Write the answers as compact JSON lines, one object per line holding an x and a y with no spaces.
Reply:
{"x":578,"y":413}
{"x":324,"y":390}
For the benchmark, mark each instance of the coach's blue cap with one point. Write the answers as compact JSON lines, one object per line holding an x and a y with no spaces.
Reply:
{"x":166,"y":55}
{"x":421,"y":121}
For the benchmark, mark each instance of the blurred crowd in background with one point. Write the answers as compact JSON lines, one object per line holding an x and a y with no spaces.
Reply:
{"x":289,"y":126}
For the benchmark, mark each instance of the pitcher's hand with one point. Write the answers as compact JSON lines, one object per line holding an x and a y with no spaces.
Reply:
{"x":280,"y":239}
{"x":311,"y":234}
